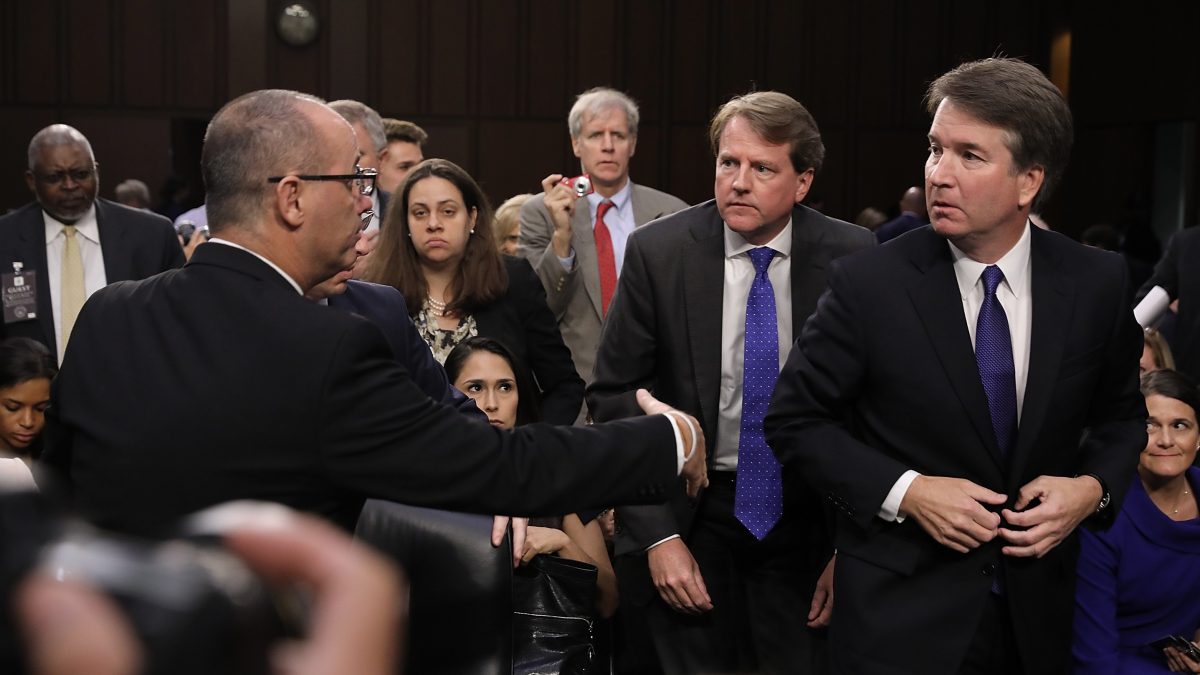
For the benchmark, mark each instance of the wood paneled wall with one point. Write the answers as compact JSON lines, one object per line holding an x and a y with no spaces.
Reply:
{"x":492,"y":80}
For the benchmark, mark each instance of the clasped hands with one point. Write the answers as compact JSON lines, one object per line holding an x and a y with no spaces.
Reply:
{"x":953,"y":511}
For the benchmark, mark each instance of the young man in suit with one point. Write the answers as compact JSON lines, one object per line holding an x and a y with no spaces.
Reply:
{"x":221,"y":381}
{"x":68,"y":244}
{"x":728,"y":581}
{"x":577,"y":244}
{"x":966,"y":396}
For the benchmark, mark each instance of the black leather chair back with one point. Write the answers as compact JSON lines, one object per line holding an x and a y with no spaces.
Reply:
{"x":460,"y":605}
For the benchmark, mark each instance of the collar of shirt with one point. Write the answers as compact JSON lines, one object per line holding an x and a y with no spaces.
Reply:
{"x":619,"y":200}
{"x":226,"y":242}
{"x":1014,"y":265}
{"x":735,"y":244}
{"x":85,"y":226}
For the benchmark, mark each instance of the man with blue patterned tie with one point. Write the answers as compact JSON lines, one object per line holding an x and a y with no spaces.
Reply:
{"x":967,"y":396}
{"x":704,"y":314}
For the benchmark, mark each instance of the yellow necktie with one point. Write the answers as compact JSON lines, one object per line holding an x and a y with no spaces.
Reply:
{"x":73,"y":293}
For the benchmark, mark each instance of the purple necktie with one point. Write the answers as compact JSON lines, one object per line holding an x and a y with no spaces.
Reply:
{"x":758,"y":499}
{"x":994,"y":355}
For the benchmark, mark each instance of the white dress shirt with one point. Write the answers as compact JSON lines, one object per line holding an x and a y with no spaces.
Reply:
{"x":87,"y":234}
{"x":1015,"y":296}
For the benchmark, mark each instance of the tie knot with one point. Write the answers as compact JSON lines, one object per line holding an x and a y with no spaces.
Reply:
{"x":69,"y":230}
{"x":992,"y":276}
{"x":603,"y":208}
{"x":761,"y":257}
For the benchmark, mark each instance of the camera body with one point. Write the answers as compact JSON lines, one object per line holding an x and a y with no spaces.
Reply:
{"x":194,"y":607}
{"x":186,"y":228}
{"x":581,"y":184}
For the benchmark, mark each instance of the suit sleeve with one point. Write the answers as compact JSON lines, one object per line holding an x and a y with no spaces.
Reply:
{"x":1166,"y":272}
{"x":625,"y":362}
{"x":1116,"y":421}
{"x":1096,"y":642}
{"x":806,"y":424}
{"x":536,"y":246}
{"x":398,"y":444}
{"x":546,"y":354}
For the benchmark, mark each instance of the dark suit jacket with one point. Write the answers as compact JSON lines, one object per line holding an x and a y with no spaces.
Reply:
{"x":522,"y":321}
{"x":135,"y":244}
{"x":1179,"y":275}
{"x":218,"y":381}
{"x":884,"y":379}
{"x":384,"y":306}
{"x":907,"y":221}
{"x":663,"y":332}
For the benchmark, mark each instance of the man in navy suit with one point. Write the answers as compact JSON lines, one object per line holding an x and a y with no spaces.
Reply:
{"x":966,"y":396}
{"x":912,"y":215}
{"x":107,"y":241}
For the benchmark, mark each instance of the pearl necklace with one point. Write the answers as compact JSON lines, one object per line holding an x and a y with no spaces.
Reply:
{"x":436,"y":307}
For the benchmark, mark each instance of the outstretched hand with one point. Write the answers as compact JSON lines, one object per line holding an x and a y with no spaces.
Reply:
{"x":695,"y":465}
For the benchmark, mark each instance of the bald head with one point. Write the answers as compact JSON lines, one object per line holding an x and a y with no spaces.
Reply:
{"x":255,"y":136}
{"x":62,"y":173}
{"x":57,"y":135}
{"x":914,"y":201}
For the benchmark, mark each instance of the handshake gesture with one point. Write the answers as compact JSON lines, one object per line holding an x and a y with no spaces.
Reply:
{"x":695,"y":465}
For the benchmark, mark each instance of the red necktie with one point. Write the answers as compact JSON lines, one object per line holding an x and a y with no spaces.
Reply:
{"x":605,"y":257}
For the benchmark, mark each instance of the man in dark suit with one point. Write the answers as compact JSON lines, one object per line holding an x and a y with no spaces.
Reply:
{"x":104,"y":241}
{"x":966,"y":396}
{"x":1179,"y":275}
{"x":912,"y":215}
{"x":733,"y":594}
{"x":221,"y":381}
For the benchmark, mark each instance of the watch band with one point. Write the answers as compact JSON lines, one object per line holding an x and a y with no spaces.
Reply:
{"x":1105,"y":497}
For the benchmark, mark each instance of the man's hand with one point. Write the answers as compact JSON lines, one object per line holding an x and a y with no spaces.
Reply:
{"x":821,"y":610}
{"x":951,"y":511}
{"x":560,"y":202}
{"x":520,"y":527}
{"x":1065,"y":502}
{"x":677,"y":578}
{"x":695,"y":467}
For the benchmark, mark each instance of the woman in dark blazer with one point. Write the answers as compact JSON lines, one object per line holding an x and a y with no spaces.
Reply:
{"x":438,"y":249}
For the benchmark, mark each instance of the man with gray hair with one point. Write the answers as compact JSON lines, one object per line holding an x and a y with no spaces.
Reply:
{"x":133,"y":193}
{"x":577,"y":244}
{"x":67,"y":244}
{"x":368,"y":129}
{"x":305,"y":405}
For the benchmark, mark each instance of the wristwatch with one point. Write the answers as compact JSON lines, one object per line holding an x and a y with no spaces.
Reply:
{"x":1105,"y":498}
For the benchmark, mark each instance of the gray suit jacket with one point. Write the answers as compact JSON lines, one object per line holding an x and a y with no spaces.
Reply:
{"x":574,"y":297}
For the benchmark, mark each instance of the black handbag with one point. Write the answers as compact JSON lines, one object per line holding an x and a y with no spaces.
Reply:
{"x":554,"y":617}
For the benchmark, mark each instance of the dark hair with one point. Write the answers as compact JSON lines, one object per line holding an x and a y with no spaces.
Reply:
{"x":481,"y":277}
{"x":22,"y":359}
{"x":528,"y":410}
{"x":254,"y":136}
{"x":1018,"y":98}
{"x":779,"y":119}
{"x":1172,"y":384}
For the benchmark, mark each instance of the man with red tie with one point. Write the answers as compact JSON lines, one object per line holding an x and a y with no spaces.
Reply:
{"x":577,"y":244}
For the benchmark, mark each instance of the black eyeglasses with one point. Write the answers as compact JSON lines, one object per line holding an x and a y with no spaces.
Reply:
{"x":362,"y":179}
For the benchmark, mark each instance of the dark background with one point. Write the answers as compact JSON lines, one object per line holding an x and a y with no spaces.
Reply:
{"x":492,"y":81}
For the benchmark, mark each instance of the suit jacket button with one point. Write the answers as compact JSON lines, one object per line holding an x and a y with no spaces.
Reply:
{"x":988,"y":569}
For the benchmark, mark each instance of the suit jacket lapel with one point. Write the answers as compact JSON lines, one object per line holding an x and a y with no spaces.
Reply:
{"x":808,"y":275}
{"x":1053,"y":294}
{"x":704,"y":284}
{"x":112,"y":241}
{"x":938,"y":303}
{"x":584,"y":243}
{"x":643,"y":212}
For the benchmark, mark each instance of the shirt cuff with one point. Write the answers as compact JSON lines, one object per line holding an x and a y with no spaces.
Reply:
{"x":680,"y":452}
{"x":568,"y":262}
{"x":661,"y":541}
{"x":890,"y":510}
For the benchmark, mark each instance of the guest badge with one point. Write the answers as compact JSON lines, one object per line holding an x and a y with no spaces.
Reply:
{"x":20,"y":294}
